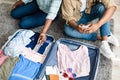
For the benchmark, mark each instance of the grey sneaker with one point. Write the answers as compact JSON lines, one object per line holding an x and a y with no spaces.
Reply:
{"x":113,"y":40}
{"x":105,"y":50}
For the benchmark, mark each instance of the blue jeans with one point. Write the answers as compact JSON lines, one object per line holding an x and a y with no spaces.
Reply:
{"x":97,"y":11}
{"x":30,"y":15}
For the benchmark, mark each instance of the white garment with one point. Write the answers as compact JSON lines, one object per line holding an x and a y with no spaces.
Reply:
{"x":21,"y":39}
{"x":83,"y":6}
{"x":52,"y":70}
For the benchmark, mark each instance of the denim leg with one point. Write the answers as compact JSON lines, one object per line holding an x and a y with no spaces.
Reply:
{"x":24,"y":10}
{"x":97,"y":11}
{"x":74,"y":33}
{"x":105,"y":29}
{"x":32,"y":21}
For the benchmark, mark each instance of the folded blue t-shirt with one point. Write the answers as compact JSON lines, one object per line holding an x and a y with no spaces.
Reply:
{"x":25,"y":70}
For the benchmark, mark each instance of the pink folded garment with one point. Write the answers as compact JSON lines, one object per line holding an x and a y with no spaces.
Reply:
{"x":2,"y":57}
{"x":31,"y":54}
{"x":75,"y":63}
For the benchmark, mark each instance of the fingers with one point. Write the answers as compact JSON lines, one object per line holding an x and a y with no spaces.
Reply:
{"x":81,"y":29}
{"x":42,"y":38}
{"x":13,"y":7}
{"x":89,"y":28}
{"x":39,"y":40}
{"x":42,"y":41}
{"x":80,"y":25}
{"x":88,"y":31}
{"x":89,"y":24}
{"x":18,"y":3}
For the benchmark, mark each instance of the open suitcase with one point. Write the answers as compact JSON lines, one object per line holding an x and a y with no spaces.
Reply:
{"x":17,"y":39}
{"x":51,"y":58}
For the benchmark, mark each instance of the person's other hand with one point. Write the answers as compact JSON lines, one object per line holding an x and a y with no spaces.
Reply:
{"x":18,"y":3}
{"x":92,"y":27}
{"x":42,"y":38}
{"x":80,"y":28}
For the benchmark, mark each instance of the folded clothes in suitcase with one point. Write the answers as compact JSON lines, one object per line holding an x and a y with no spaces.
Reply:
{"x":33,"y":40}
{"x":52,"y":60}
{"x":25,"y":64}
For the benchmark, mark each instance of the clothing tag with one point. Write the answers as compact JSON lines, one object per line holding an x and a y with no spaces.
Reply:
{"x":37,"y":47}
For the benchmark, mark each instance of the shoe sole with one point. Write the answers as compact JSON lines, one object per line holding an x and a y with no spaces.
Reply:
{"x":104,"y":54}
{"x":113,"y":44}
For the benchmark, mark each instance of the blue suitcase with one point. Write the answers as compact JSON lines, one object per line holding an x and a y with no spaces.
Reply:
{"x":51,"y":59}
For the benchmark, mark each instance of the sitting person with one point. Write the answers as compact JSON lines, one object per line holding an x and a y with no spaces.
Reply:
{"x":34,"y":13}
{"x":79,"y":15}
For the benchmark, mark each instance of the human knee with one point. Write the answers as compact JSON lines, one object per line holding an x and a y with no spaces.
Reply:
{"x":15,"y":14}
{"x":101,"y":8}
{"x":67,"y":30}
{"x":24,"y":24}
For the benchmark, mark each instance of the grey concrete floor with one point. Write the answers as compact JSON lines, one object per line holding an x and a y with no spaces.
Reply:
{"x":116,"y":50}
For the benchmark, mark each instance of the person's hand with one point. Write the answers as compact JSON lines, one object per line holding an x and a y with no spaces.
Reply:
{"x":80,"y":28}
{"x":92,"y":27}
{"x":42,"y":38}
{"x":18,"y":3}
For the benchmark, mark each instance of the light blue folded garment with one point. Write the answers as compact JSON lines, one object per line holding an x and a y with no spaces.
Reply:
{"x":10,"y":52}
{"x":25,"y":70}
